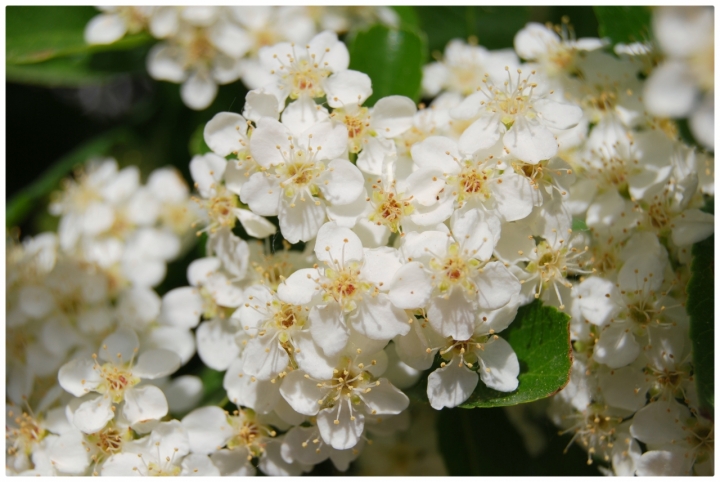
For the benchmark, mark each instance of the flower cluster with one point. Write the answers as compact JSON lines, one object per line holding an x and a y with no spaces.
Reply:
{"x":535,"y":173}
{"x":203,"y":47}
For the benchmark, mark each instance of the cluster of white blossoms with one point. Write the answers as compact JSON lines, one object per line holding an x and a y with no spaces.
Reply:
{"x":206,"y":46}
{"x":534,"y":173}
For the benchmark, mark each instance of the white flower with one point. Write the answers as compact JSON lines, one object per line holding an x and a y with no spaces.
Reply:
{"x":199,"y":57}
{"x":302,"y":71}
{"x":341,"y":402}
{"x":463,"y":68}
{"x":521,"y":112}
{"x":673,"y":89}
{"x":350,"y":290}
{"x":165,"y":452}
{"x":115,"y":381}
{"x":555,"y":53}
{"x":300,"y":174}
{"x":452,"y":275}
{"x":449,"y":178}
{"x":112,"y":25}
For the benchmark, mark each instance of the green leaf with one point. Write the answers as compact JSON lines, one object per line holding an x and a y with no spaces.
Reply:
{"x":71,"y":71}
{"x":197,"y":145}
{"x":493,"y":27}
{"x":408,"y":17}
{"x":37,"y":34}
{"x":701,"y":308}
{"x":393,"y":58}
{"x":24,"y":201}
{"x":624,"y":24}
{"x":540,"y":336}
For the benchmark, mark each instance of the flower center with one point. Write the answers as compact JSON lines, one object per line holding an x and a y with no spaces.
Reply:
{"x":455,"y":269}
{"x":344,"y":286}
{"x":26,"y":433}
{"x":116,"y":380}
{"x":219,"y":208}
{"x":389,"y":208}
{"x":356,"y":126}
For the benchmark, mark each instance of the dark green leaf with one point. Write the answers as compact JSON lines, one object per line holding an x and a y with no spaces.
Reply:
{"x":408,"y":17}
{"x":701,"y":308}
{"x":36,"y":34}
{"x":73,"y":71}
{"x":197,"y":145}
{"x":493,"y":27}
{"x":213,"y":391}
{"x":25,"y":200}
{"x":540,"y":336}
{"x":624,"y":24}
{"x":393,"y":58}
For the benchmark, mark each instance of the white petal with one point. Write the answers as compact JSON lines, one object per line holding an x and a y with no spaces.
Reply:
{"x":616,"y":346}
{"x":557,"y":115}
{"x":144,"y":403}
{"x":105,"y":29}
{"x":346,"y":433}
{"x":454,"y":316}
{"x":496,"y":286}
{"x":595,"y":306}
{"x":499,"y":366}
{"x":663,"y":463}
{"x":302,"y":114}
{"x":92,"y":415}
{"x":411,"y":287}
{"x":624,"y":387}
{"x":207,"y":429}
{"x":477,"y":231}
{"x":530,"y":142}
{"x":437,"y":152}
{"x":182,"y":307}
{"x":198,"y":465}
{"x":670,"y":90}
{"x":342,"y":183}
{"x":331,"y":136}
{"x":264,"y":358}
{"x":514,"y":196}
{"x":216,"y":344}
{"x":261,"y":396}
{"x":380,"y":265}
{"x":692,"y":226}
{"x":302,"y":393}
{"x":393,"y":115}
{"x":451,"y":385}
{"x":79,"y":376}
{"x":259,"y":104}
{"x":302,"y":221}
{"x":534,"y":40}
{"x":328,"y":328}
{"x":481,"y":134}
{"x":198,"y":91}
{"x":377,"y":318}
{"x":300,"y":287}
{"x":121,"y":345}
{"x":310,"y":358}
{"x":347,"y":87}
{"x":384,"y":399}
{"x":207,"y":171}
{"x":336,"y":244}
{"x":233,"y":462}
{"x":225,"y":133}
{"x":660,"y":422}
{"x":156,"y":363}
{"x":262,"y":194}
{"x":230,"y":38}
{"x":256,"y":226}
